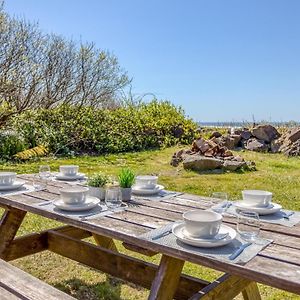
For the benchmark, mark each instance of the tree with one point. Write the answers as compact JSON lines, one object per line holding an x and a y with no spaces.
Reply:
{"x":39,"y":70}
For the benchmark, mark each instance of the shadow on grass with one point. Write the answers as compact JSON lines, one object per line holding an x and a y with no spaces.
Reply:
{"x":108,"y":290}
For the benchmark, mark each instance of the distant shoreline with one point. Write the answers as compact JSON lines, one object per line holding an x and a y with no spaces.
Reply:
{"x":247,"y":124}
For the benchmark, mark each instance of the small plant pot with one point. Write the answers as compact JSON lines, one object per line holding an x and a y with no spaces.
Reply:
{"x":97,"y":192}
{"x":126,"y":194}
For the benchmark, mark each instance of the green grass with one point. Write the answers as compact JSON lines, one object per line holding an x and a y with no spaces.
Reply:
{"x":275,"y":173}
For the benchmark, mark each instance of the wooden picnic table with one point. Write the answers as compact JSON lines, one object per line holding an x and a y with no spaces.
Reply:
{"x":278,"y":265}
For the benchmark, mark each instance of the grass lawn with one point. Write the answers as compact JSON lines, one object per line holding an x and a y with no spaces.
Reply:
{"x":275,"y":173}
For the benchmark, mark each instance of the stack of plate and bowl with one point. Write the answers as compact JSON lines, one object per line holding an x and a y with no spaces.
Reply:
{"x":69,"y":173}
{"x":9,"y":181}
{"x":258,"y":201}
{"x":203,"y":229}
{"x":75,"y":198}
{"x":146,"y":185}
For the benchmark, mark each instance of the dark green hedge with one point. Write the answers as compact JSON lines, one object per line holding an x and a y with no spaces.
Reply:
{"x":88,"y":130}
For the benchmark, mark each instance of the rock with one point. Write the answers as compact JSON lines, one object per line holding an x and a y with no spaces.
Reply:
{"x":228,"y":142}
{"x":246,"y":134}
{"x":267,"y":133}
{"x":227,"y":153}
{"x":200,"y":145}
{"x":201,"y":163}
{"x":237,"y":138}
{"x":257,"y":145}
{"x":232,"y":165}
{"x":275,"y":145}
{"x":175,"y":161}
{"x":294,"y":135}
{"x":215,"y":134}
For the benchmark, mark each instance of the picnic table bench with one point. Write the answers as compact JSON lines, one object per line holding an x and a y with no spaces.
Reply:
{"x":278,"y":265}
{"x":16,"y":284}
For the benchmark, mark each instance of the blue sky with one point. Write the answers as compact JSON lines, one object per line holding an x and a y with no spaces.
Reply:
{"x":221,"y":60}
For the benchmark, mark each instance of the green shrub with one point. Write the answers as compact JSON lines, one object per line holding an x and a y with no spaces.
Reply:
{"x":126,"y":178}
{"x":98,"y":180}
{"x":10,"y":144}
{"x":68,"y":129}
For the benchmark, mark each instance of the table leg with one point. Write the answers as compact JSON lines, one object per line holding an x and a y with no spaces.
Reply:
{"x":105,"y":242}
{"x":9,"y":225}
{"x":251,"y":292}
{"x":166,"y":280}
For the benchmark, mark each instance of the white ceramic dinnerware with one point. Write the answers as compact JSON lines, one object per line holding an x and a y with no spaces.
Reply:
{"x":73,"y":195}
{"x":146,"y":181}
{"x":226,"y":233}
{"x":202,"y":223}
{"x":90,"y":202}
{"x":8,"y":181}
{"x":143,"y":192}
{"x":68,"y":170}
{"x":257,"y":198}
{"x":271,"y":209}
{"x":7,"y":178}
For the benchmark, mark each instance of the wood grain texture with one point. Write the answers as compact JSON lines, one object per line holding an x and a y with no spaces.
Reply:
{"x":166,"y":279}
{"x":117,"y":264}
{"x":224,"y":288}
{"x":9,"y":225}
{"x":23,"y":286}
{"x":105,"y":242}
{"x":251,"y":292}
{"x":277,"y":265}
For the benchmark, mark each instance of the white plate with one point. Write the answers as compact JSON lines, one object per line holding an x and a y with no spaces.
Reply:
{"x":75,"y":177}
{"x":271,"y":209}
{"x":17,"y":184}
{"x":89,"y":203}
{"x":178,"y":231}
{"x":138,"y":191}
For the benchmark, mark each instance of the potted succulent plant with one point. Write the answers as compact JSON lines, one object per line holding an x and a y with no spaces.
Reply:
{"x":97,"y":184}
{"x":126,"y":180}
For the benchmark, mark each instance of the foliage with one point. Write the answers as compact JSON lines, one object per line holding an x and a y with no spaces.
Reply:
{"x":10,"y":144}
{"x":89,"y":130}
{"x":126,"y":178}
{"x":39,"y":70}
{"x":34,"y":152}
{"x":98,"y":180}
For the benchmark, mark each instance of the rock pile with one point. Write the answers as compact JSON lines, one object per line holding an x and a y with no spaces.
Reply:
{"x":216,"y":152}
{"x":209,"y":155}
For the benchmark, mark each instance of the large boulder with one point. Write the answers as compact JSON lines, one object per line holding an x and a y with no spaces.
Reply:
{"x":267,"y":133}
{"x":256,"y":145}
{"x":246,"y":134}
{"x":215,"y":134}
{"x":228,"y":142}
{"x":201,"y":163}
{"x":294,"y":135}
{"x":232,"y":165}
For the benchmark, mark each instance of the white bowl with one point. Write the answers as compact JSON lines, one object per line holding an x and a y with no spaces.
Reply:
{"x":7,"y":178}
{"x":69,"y":170}
{"x":257,"y":198}
{"x":146,"y":181}
{"x":202,"y":223}
{"x":73,"y":195}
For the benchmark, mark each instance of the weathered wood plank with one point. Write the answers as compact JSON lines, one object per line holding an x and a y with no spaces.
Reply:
{"x":9,"y":225}
{"x":37,"y":242}
{"x":224,"y":288}
{"x":117,"y":264}
{"x":166,"y":280}
{"x":24,"y":286}
{"x":105,"y":242}
{"x":251,"y":292}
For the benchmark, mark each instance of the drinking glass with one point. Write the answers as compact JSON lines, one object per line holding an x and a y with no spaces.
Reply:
{"x":113,"y":197}
{"x":248,"y":225}
{"x":220,"y":207}
{"x":44,"y":172}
